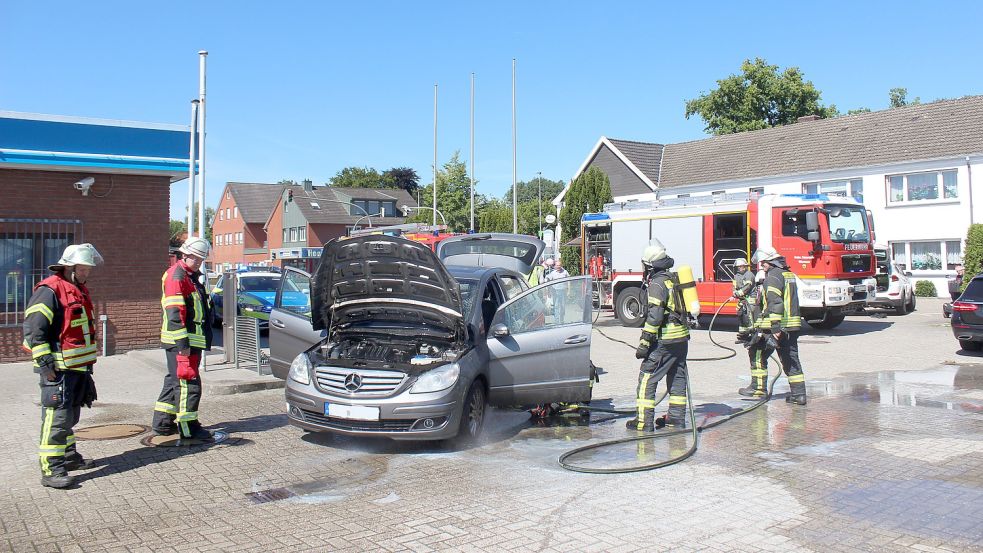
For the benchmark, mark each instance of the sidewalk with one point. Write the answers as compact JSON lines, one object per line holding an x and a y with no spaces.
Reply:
{"x":218,"y":378}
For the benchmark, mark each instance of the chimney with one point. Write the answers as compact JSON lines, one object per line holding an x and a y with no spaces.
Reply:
{"x":806,"y":118}
{"x":308,"y":185}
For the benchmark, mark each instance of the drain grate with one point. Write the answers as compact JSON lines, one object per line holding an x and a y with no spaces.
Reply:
{"x":270,"y":495}
{"x":174,"y":440}
{"x":110,"y":432}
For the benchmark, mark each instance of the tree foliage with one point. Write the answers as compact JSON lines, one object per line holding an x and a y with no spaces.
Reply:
{"x":358,"y":177}
{"x":973,"y":258}
{"x":899,"y":97}
{"x":925,"y":289}
{"x":587,"y":194}
{"x":401,"y":177}
{"x":453,"y":197}
{"x":179,"y":228}
{"x":530,"y":191}
{"x":758,"y":98}
{"x":495,"y":216}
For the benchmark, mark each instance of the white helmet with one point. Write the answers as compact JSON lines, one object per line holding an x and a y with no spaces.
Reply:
{"x":78,"y":254}
{"x":653,"y":252}
{"x":196,"y":246}
{"x":741,"y":262}
{"x":766,"y":254}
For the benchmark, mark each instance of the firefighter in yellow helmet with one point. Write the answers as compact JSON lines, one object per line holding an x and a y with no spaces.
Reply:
{"x":186,"y":332}
{"x":663,"y":345}
{"x":780,"y":317}
{"x":60,"y":333}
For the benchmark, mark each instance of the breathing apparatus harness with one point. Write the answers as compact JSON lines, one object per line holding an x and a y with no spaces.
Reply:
{"x":694,"y":429}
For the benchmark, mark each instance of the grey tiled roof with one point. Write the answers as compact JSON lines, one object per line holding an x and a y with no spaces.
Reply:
{"x":255,"y":200}
{"x":332,"y":212}
{"x":946,"y":128}
{"x":644,"y":155}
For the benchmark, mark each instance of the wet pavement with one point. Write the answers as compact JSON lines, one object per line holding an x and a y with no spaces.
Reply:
{"x":879,"y":460}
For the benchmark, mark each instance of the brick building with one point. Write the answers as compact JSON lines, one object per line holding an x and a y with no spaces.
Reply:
{"x":124,"y":214}
{"x":238,"y":235}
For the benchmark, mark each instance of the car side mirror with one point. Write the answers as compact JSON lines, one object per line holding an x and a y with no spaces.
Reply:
{"x":812,"y":222}
{"x":813,"y":236}
{"x":499,"y":330}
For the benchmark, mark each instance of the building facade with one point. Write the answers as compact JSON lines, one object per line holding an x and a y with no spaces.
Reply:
{"x":913,"y":167}
{"x":70,"y":180}
{"x":238,"y":233}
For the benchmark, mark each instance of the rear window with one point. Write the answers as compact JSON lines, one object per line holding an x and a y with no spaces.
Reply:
{"x":974,"y":292}
{"x":259,"y":284}
{"x":523,"y":252}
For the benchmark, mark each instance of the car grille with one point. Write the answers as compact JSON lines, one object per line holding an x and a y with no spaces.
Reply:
{"x":395,"y":425}
{"x":372,"y":382}
{"x":856,"y":263}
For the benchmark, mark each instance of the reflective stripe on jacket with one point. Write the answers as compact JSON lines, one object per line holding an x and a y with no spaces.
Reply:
{"x":59,"y":325}
{"x":661,"y":318}
{"x":186,"y":313}
{"x":782,"y":301}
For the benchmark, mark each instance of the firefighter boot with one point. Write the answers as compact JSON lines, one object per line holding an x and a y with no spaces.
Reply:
{"x":665,"y":421}
{"x":633,"y":424}
{"x":797,"y":389}
{"x":751,"y":391}
{"x":57,"y":481}
{"x":798,"y":399}
{"x":79,"y":463}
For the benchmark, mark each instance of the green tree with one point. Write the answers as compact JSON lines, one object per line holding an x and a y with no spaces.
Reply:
{"x":178,"y":228}
{"x":973,"y":258}
{"x":758,"y":98}
{"x":358,"y":177}
{"x":495,"y":216}
{"x":453,"y":197}
{"x":899,"y":97}
{"x":177,"y":232}
{"x":530,"y":191}
{"x":402,"y":177}
{"x":858,"y":110}
{"x":288,"y":182}
{"x":587,"y":194}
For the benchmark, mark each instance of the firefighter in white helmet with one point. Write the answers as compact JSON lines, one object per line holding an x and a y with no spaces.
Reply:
{"x":60,"y":334}
{"x":663,"y":345}
{"x":780,"y":317}
{"x":185,"y":332}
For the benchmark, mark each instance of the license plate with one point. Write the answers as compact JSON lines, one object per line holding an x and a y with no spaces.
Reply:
{"x":352,"y":412}
{"x":859,"y":289}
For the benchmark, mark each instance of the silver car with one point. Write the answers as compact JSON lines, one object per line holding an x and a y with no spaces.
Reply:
{"x":414,"y":349}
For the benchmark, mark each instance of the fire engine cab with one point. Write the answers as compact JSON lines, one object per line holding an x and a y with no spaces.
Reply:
{"x":826,"y":240}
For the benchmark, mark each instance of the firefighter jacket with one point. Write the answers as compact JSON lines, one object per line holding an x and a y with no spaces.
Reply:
{"x":744,"y":284}
{"x":665,"y":318}
{"x":59,"y":326}
{"x":187,"y":319}
{"x":781,"y":303}
{"x":536,"y":276}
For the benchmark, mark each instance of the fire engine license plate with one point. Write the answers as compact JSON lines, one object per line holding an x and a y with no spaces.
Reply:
{"x":352,"y":412}
{"x":859,"y":288}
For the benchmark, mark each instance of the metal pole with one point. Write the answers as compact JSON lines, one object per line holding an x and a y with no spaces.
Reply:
{"x":191,"y":169}
{"x":539,"y":183}
{"x":202,"y":54}
{"x":435,"y":154}
{"x":515,"y":204}
{"x":472,"y":152}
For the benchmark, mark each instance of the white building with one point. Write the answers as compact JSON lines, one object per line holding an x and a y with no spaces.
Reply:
{"x":913,"y":167}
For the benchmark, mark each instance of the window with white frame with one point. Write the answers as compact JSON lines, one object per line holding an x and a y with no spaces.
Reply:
{"x":221,"y":215}
{"x":235,"y":212}
{"x":218,"y":240}
{"x":286,"y":234}
{"x":228,"y":213}
{"x":850,"y":188}
{"x":293,"y":234}
{"x":927,"y":255}
{"x":238,"y":238}
{"x":302,"y":234}
{"x":920,"y":187}
{"x":228,"y":239}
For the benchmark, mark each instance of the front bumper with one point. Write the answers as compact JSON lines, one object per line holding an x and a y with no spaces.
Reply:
{"x":404,"y":416}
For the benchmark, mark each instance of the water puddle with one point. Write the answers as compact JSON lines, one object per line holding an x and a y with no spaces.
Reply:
{"x":956,"y":388}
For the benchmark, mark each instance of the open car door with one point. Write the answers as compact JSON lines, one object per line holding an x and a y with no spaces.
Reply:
{"x":539,"y":345}
{"x":290,"y":321}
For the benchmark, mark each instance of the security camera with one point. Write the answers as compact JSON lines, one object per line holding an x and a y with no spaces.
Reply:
{"x":84,"y":185}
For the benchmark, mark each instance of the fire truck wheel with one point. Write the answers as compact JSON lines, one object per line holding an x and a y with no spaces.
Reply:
{"x":629,"y":307}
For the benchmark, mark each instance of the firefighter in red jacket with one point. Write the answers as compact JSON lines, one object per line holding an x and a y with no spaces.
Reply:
{"x":185,"y":332}
{"x":60,"y":333}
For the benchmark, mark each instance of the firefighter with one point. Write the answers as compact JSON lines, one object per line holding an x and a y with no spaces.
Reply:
{"x":760,"y":343}
{"x":781,"y":315}
{"x":186,"y":331}
{"x":537,"y":274}
{"x":60,"y":333}
{"x":743,"y":290}
{"x":663,"y":345}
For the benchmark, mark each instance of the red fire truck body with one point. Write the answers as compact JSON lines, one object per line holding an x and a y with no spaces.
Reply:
{"x":826,"y":240}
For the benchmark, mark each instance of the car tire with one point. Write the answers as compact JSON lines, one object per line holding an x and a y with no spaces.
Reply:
{"x":969,"y":345}
{"x":472,"y":414}
{"x":827,"y":322}
{"x":629,"y":307}
{"x":902,"y":307}
{"x":911,"y":302}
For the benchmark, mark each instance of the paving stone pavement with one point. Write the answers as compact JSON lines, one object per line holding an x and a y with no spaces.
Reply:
{"x":878,"y":461}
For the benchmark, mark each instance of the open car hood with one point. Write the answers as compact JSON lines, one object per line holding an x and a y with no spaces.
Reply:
{"x":517,"y":252}
{"x":385,"y":284}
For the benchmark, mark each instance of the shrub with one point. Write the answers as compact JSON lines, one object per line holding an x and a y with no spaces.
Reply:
{"x":973,"y":258}
{"x":925,"y":289}
{"x":570,"y":258}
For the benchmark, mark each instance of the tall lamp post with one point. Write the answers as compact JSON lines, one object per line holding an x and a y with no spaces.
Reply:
{"x":539,"y":182}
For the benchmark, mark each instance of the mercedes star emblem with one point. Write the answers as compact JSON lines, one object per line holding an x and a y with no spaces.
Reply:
{"x":353,"y":382}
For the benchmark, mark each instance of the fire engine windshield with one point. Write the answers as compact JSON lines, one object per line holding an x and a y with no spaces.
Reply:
{"x":848,"y":224}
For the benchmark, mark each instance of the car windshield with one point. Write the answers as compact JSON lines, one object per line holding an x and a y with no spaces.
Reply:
{"x":519,"y":250}
{"x":469,"y":288}
{"x":974,"y":292}
{"x":847,"y":224}
{"x":259,"y":283}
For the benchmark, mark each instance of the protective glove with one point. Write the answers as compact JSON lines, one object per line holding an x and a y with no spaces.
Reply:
{"x":90,"y":391}
{"x":185,"y":370}
{"x":644,"y":345}
{"x":46,"y":368}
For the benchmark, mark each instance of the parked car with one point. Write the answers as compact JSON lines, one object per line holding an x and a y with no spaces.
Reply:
{"x":894,"y":288}
{"x":414,"y":349}
{"x":256,"y":292}
{"x":967,"y":316}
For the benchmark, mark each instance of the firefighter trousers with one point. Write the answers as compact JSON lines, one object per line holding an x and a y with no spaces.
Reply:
{"x":177,"y":405}
{"x":61,"y":408}
{"x":669,"y":361}
{"x":758,"y":354}
{"x":788,"y":354}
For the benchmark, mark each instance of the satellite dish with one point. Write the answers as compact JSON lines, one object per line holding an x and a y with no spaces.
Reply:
{"x":550,"y":219}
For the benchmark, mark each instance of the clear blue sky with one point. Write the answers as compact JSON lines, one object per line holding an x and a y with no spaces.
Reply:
{"x":302,"y":89}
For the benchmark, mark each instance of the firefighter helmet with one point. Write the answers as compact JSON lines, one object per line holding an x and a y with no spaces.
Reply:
{"x":741,"y":262}
{"x":766,"y":254}
{"x":196,"y":246}
{"x":78,"y":254}
{"x":653,"y":252}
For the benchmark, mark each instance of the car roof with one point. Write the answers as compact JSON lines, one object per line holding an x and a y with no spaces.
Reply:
{"x":258,"y":274}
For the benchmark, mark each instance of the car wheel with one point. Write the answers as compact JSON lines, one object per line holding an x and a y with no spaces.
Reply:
{"x":472,"y":414}
{"x":911,"y":302}
{"x":629,"y":307}
{"x":969,"y":345}
{"x":902,"y":307}
{"x":827,"y":322}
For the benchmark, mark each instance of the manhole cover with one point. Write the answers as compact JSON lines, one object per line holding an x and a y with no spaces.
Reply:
{"x":110,"y":432}
{"x":174,"y":440}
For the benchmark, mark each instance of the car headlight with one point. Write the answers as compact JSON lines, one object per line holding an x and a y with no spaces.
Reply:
{"x":437,"y":379}
{"x":835,"y":290}
{"x":300,"y":369}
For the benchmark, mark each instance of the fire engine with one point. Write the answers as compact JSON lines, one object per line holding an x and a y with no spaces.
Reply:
{"x":826,"y":240}
{"x":418,"y":232}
